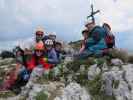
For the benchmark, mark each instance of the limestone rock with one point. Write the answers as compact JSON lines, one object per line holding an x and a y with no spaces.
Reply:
{"x":93,"y":71}
{"x":116,"y":62}
{"x":74,"y":92}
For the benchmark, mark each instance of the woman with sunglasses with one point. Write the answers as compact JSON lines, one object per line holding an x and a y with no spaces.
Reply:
{"x":40,"y":34}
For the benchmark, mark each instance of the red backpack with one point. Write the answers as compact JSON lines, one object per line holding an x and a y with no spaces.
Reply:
{"x":110,"y":40}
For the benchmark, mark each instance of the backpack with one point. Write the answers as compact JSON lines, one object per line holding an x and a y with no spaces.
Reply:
{"x":24,"y":75}
{"x":110,"y":40}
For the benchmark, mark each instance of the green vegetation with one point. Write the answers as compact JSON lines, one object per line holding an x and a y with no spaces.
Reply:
{"x":6,"y":94}
{"x":95,"y":89}
{"x":75,"y":65}
{"x":7,"y":62}
{"x":102,"y":96}
{"x":130,"y":59}
{"x":120,"y":54}
{"x":94,"y":86}
{"x":75,"y":45}
{"x":41,"y":96}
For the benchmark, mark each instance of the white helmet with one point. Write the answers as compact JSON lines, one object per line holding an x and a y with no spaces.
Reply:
{"x":52,"y":33}
{"x":49,"y":42}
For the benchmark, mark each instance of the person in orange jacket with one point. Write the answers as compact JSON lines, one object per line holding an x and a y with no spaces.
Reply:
{"x":38,"y":58}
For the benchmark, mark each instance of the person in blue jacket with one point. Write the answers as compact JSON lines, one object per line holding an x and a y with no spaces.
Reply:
{"x":95,"y":43}
{"x":51,"y":53}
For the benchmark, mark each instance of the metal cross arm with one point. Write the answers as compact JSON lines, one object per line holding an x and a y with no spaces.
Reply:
{"x":93,"y":13}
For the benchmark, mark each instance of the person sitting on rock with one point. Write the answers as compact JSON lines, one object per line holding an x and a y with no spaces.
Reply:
{"x":38,"y":58}
{"x":58,"y":49}
{"x":28,"y":54}
{"x":43,"y":59}
{"x":95,"y":43}
{"x":21,"y":71}
{"x":17,"y":77}
{"x":39,"y":35}
{"x":51,"y":52}
{"x":110,"y":38}
{"x":85,"y":35}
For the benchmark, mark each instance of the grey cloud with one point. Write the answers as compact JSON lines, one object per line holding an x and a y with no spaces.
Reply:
{"x":19,"y":18}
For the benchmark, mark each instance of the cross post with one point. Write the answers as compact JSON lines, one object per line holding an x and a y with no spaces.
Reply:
{"x":93,"y":13}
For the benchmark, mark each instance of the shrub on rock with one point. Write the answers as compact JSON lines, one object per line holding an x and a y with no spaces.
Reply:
{"x":7,"y":54}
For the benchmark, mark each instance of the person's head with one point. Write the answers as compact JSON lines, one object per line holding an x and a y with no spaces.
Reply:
{"x":19,"y":51}
{"x":85,"y":33}
{"x":39,"y":49}
{"x":39,"y":33}
{"x":49,"y":44}
{"x":106,"y":26}
{"x":90,"y":25}
{"x":52,"y":36}
{"x":58,"y":46}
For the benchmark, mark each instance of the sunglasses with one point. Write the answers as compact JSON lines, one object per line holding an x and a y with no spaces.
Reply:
{"x":39,"y":50}
{"x":39,"y":33}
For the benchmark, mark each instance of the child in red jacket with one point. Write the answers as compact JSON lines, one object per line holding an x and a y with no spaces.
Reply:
{"x":38,"y":58}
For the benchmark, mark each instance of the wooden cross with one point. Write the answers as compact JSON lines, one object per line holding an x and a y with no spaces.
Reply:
{"x":93,"y":13}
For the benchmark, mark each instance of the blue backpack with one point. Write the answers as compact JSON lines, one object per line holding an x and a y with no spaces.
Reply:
{"x":24,"y":74}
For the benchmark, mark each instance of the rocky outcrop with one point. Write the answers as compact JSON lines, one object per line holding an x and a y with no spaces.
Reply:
{"x":73,"y":91}
{"x":6,"y":65}
{"x":102,"y":78}
{"x":117,"y":80}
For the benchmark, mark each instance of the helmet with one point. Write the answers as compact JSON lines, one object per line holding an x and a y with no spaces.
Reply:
{"x":39,"y":46}
{"x":39,"y":30}
{"x":59,"y":42}
{"x":49,"y":42}
{"x":53,"y":34}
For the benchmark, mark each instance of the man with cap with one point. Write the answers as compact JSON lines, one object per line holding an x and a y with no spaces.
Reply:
{"x":95,"y":43}
{"x":39,"y":34}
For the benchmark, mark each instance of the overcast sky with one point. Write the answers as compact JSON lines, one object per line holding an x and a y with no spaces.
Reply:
{"x":19,"y":18}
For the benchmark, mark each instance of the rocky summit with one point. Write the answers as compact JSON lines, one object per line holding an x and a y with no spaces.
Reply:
{"x":96,"y":78}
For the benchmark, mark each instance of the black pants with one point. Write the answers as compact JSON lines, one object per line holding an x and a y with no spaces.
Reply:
{"x":16,"y":88}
